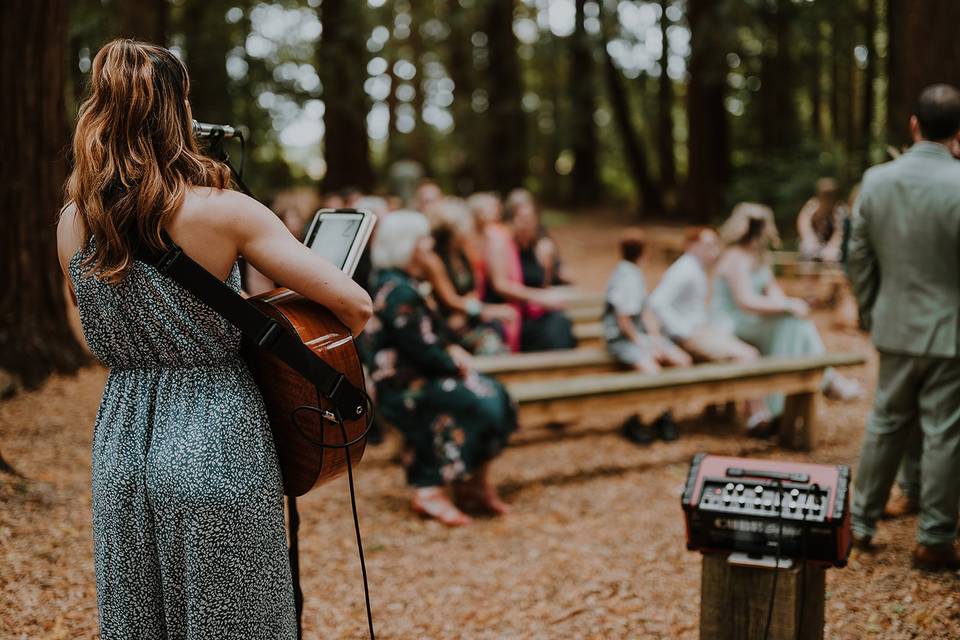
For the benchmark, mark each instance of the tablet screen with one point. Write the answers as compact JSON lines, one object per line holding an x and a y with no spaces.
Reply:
{"x":334,"y":237}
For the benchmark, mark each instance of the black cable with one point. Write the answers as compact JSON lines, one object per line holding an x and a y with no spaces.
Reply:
{"x":776,"y":570}
{"x":338,"y":421}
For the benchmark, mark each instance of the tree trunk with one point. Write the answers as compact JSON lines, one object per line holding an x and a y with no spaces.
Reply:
{"x":342,"y":64}
{"x":145,"y":20}
{"x":708,"y":141}
{"x":779,"y":127}
{"x":668,"y":169}
{"x":467,"y":169}
{"x":208,"y":39}
{"x":506,"y":143}
{"x":816,"y":85}
{"x":648,"y":193}
{"x":35,"y":335}
{"x":585,"y":177}
{"x":924,"y":50}
{"x":869,"y":79}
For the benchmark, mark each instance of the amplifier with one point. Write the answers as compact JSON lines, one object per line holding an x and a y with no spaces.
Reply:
{"x":767,"y":507}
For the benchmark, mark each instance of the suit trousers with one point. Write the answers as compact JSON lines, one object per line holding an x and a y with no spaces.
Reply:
{"x":912,"y":389}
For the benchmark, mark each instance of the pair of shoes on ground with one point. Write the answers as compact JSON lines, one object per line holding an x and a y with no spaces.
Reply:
{"x":663,"y":428}
{"x":925,"y":558}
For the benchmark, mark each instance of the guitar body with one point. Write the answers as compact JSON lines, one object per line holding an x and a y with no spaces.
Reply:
{"x":303,"y":464}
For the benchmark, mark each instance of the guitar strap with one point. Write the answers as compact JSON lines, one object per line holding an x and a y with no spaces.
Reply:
{"x":349,"y":403}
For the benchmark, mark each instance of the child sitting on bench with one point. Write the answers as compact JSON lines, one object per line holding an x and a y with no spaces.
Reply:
{"x":632,"y":333}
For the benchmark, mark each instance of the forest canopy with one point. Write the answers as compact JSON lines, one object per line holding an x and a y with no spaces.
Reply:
{"x":667,"y":108}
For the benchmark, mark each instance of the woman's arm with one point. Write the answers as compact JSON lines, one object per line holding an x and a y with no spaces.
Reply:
{"x":443,"y":287}
{"x":739,"y":279}
{"x":267,"y":244}
{"x":68,"y":243}
{"x":515,"y":291}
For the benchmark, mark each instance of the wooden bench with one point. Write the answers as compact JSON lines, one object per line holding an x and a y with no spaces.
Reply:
{"x":543,"y":365}
{"x":588,"y":334}
{"x":560,"y":401}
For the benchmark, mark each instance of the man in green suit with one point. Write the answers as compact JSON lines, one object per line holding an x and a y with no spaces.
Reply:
{"x":904,"y":264}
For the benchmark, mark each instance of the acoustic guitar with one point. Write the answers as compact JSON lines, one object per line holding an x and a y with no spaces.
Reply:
{"x":298,"y":432}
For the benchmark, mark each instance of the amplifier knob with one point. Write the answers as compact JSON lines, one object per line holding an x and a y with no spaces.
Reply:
{"x":758,"y":490}
{"x":768,"y":504}
{"x":794,"y":493}
{"x":727,"y":500}
{"x":739,"y":488}
{"x":741,"y":500}
{"x":729,"y":486}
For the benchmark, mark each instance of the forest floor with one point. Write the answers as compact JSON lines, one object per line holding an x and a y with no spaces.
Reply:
{"x":594,"y":548}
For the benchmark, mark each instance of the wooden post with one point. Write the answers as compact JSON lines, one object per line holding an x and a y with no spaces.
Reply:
{"x":798,"y":423}
{"x":734,"y":601}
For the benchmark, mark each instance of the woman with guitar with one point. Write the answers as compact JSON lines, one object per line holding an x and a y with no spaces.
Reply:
{"x":188,"y":519}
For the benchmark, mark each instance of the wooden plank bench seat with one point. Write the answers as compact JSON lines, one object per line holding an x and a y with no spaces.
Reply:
{"x":543,"y":365}
{"x":565,"y":400}
{"x":588,"y":334}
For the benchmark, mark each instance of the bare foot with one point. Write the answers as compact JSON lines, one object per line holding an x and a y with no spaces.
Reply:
{"x":432,"y":502}
{"x":479,"y":494}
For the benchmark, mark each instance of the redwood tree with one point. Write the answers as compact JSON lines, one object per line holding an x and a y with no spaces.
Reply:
{"x":585,"y":177}
{"x":342,"y":66}
{"x":506,"y":143}
{"x":35,"y":336}
{"x":708,"y":140}
{"x":924,"y":50}
{"x":145,"y":20}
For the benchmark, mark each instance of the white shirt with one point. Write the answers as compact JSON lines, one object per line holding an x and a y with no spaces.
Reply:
{"x":626,"y":292}
{"x":680,"y":299}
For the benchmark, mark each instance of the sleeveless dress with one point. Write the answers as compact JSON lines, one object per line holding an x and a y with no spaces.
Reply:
{"x":188,"y":522}
{"x":779,"y":335}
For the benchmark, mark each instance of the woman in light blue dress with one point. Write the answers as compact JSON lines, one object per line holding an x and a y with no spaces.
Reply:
{"x":748,"y":301}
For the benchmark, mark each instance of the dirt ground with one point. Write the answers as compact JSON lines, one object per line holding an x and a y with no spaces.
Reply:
{"x":594,"y":548}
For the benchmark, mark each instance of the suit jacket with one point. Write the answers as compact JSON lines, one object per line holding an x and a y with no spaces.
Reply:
{"x":904,"y":253}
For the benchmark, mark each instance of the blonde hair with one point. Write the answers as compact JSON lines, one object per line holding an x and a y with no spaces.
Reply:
{"x":134,"y":154}
{"x":478,"y":204}
{"x":737,"y":226}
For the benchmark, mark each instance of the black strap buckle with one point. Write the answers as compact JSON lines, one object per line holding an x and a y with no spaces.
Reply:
{"x":168,"y":259}
{"x":269,"y":334}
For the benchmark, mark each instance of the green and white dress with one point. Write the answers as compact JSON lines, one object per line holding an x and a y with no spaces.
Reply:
{"x":773,"y":335}
{"x":188,"y":524}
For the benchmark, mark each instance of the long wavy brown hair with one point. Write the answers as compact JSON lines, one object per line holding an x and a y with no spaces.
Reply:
{"x":134,"y":154}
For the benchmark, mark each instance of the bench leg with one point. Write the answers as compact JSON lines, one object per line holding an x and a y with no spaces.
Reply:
{"x":798,"y":423}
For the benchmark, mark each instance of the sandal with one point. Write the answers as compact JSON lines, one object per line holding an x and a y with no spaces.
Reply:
{"x":432,"y":502}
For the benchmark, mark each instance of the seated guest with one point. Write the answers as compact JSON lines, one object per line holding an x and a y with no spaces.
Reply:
{"x":426,"y":194}
{"x":680,"y":304}
{"x":454,"y":278}
{"x":820,"y":223}
{"x":748,"y":301}
{"x":543,"y":326}
{"x":632,"y":332}
{"x":539,"y":256}
{"x":454,"y":421}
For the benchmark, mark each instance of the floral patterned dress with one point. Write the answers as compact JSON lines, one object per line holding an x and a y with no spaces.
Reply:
{"x":451,"y":424}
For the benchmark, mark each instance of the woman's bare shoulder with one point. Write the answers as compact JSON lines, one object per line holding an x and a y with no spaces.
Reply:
{"x":223,"y":209}
{"x":69,"y":233}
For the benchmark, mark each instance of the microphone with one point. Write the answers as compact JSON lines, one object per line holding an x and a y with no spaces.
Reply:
{"x":206,"y":130}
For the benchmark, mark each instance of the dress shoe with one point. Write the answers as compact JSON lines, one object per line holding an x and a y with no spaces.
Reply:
{"x":637,"y":432}
{"x":901,"y":506}
{"x":939,"y":558}
{"x":666,"y":428}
